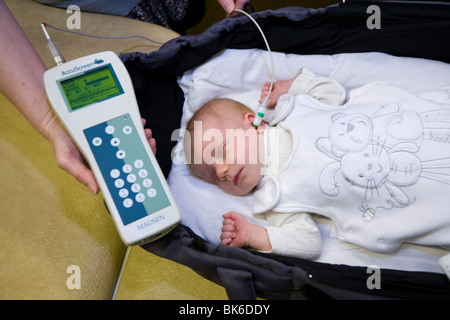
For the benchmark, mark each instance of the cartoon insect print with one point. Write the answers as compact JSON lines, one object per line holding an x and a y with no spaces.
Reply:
{"x":378,"y":155}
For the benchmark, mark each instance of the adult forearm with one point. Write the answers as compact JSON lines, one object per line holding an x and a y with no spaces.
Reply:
{"x":21,"y":73}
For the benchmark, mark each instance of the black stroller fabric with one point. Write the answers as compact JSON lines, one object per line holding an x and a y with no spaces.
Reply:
{"x":408,"y":28}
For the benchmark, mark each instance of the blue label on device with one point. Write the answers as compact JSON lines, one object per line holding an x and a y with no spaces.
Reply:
{"x":126,"y":168}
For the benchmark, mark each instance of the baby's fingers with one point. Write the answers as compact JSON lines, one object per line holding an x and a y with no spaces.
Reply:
{"x":228,"y":228}
{"x":228,"y":221}
{"x":226,"y":241}
{"x":263,"y":96}
{"x":267,"y":85}
{"x":227,"y":237}
{"x":265,"y":90}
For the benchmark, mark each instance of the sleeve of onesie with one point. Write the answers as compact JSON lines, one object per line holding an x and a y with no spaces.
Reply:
{"x":294,"y":235}
{"x":323,"y":89}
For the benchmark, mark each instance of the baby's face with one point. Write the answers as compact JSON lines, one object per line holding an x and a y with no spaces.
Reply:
{"x":232,"y":153}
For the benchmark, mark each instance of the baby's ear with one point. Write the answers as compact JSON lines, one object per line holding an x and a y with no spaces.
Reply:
{"x":250,"y":117}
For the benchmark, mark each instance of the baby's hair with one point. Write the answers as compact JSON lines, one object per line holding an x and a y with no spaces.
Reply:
{"x":217,"y":108}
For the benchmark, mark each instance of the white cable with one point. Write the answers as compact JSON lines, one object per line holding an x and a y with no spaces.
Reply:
{"x":260,"y":113}
{"x":102,"y":37}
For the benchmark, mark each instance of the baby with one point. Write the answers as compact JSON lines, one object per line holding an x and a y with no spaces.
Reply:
{"x":236,"y":157}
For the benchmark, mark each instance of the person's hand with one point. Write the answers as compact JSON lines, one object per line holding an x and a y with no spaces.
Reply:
{"x":238,"y":232}
{"x":230,"y":5}
{"x":69,"y":158}
{"x":149,"y":136}
{"x":280,"y":87}
{"x":22,"y":83}
{"x":235,"y":230}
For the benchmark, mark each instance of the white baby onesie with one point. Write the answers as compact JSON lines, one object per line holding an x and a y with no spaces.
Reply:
{"x":378,"y":166}
{"x":296,"y":234}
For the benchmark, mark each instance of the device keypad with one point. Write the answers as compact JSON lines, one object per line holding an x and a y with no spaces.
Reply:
{"x":126,"y":168}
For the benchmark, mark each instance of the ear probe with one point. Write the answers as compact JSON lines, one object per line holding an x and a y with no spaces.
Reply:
{"x":261,"y":110}
{"x":263,"y":106}
{"x":57,"y":56}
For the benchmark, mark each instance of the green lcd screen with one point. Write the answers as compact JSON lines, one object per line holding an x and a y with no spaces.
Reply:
{"x":90,"y":87}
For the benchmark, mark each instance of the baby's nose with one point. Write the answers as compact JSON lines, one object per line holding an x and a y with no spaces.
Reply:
{"x":221,"y":171}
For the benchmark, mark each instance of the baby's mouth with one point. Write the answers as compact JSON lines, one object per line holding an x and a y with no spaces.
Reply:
{"x":237,"y":178}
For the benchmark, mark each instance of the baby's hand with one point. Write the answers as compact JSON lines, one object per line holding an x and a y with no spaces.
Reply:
{"x":280,"y":87}
{"x":235,"y":230}
{"x":238,"y":232}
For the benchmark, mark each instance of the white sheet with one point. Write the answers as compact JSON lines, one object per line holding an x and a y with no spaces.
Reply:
{"x":240,"y":74}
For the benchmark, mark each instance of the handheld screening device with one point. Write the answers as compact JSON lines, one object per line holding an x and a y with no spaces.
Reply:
{"x":94,"y":98}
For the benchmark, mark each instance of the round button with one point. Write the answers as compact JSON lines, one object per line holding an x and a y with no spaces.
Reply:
{"x":119,"y":183}
{"x":140,"y":197}
{"x":127,"y":203}
{"x":131,"y":178}
{"x":151,"y":192}
{"x":143,"y":173}
{"x":127,"y":168}
{"x":97,"y":141}
{"x":115,"y":173}
{"x":147,"y":183}
{"x":115,"y":142}
{"x":109,"y":129}
{"x":120,"y":154}
{"x":123,"y":193}
{"x":127,"y":130}
{"x":135,"y":188}
{"x":139,"y":163}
